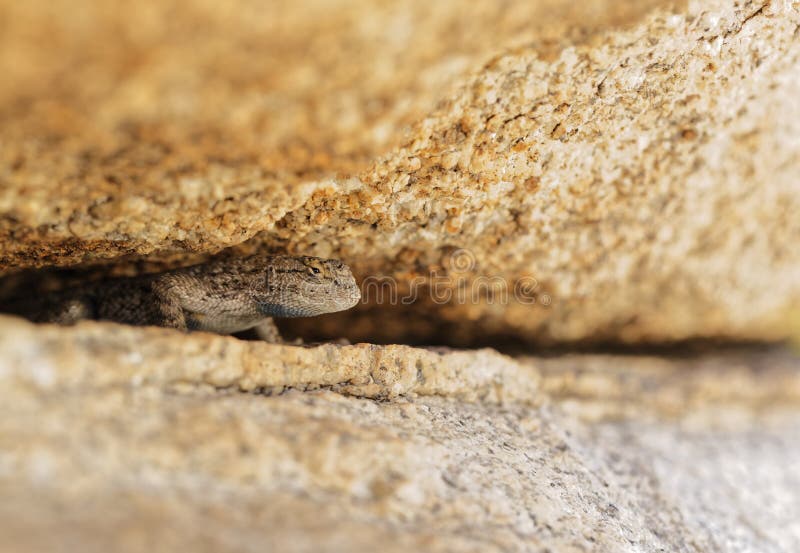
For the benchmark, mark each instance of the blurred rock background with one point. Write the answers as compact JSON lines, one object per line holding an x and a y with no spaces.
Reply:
{"x":573,"y":176}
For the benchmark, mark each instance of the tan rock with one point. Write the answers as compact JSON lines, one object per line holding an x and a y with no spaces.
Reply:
{"x":124,"y":439}
{"x":634,"y":168}
{"x":528,"y":171}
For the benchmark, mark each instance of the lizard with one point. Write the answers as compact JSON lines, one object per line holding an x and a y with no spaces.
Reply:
{"x":224,"y":296}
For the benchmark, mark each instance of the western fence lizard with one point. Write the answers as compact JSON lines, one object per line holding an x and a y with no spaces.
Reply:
{"x":224,"y":296}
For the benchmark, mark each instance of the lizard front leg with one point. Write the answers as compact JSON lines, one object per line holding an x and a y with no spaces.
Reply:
{"x":268,"y":332}
{"x":168,"y":309}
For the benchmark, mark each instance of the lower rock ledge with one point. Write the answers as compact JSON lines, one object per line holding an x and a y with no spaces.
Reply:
{"x":124,"y":439}
{"x":95,"y":355}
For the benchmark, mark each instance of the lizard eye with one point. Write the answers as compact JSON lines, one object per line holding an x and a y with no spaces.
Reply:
{"x":314,"y":270}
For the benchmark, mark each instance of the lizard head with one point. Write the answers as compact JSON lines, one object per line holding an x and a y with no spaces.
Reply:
{"x":306,"y":286}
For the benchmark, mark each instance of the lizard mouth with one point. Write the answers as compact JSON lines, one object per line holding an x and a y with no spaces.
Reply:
{"x":311,"y":308}
{"x":350,"y":300}
{"x":288,"y":311}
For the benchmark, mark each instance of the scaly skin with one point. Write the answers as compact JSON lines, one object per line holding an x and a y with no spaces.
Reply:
{"x":224,"y":296}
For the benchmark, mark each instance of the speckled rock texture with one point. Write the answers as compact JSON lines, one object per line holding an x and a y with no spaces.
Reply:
{"x":127,"y":439}
{"x":531,"y":173}
{"x":635,"y":166}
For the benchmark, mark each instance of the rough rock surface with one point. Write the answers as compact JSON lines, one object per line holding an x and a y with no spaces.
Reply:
{"x":130,"y":439}
{"x":634,"y":167}
{"x":543,"y":172}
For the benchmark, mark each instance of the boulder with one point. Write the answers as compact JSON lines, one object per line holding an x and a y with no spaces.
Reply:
{"x":124,"y":439}
{"x":621,"y":174}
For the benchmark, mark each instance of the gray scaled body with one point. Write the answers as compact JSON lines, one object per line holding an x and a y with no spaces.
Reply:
{"x":223,"y":296}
